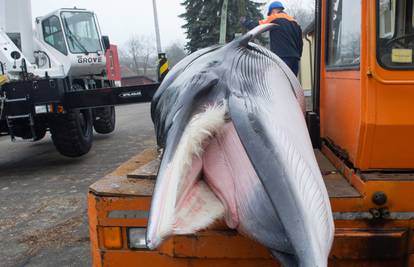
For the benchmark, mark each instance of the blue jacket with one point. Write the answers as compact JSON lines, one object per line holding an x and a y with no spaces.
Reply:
{"x":285,"y":40}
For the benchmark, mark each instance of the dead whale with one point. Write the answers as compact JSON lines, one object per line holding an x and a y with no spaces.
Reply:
{"x":235,"y":145}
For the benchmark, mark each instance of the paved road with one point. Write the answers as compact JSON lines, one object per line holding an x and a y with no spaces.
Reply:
{"x":43,"y":220}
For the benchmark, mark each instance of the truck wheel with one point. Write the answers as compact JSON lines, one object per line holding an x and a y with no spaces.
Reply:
{"x":104,"y":120}
{"x":72,"y":133}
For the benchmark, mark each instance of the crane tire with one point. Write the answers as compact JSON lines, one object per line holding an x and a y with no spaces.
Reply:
{"x":72,"y":133}
{"x":104,"y":120}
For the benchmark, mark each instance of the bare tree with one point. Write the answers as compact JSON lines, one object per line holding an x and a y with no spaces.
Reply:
{"x":175,"y":53}
{"x":139,"y":53}
{"x":302,"y":10}
{"x":149,"y":52}
{"x":134,"y":50}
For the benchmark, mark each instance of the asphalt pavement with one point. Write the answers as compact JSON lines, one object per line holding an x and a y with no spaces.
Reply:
{"x":43,"y":217}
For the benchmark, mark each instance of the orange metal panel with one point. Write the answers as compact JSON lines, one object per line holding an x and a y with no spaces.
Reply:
{"x":370,"y":244}
{"x":388,"y":143}
{"x":367,"y":263}
{"x":388,"y":120}
{"x":108,"y":204}
{"x":399,"y":193}
{"x":354,"y":239}
{"x":340,"y":109}
{"x":357,"y":242}
{"x":214,"y":245}
{"x":411,"y":260}
{"x":155,"y":259}
{"x":368,"y":112}
{"x":340,"y":101}
{"x":93,"y":231}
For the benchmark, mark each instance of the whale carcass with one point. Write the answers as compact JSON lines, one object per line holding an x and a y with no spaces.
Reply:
{"x":230,"y":120}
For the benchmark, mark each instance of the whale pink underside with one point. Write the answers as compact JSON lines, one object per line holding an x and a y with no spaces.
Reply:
{"x":225,"y":167}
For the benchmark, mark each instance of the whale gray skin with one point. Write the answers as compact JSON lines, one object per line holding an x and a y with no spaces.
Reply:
{"x":288,"y":208}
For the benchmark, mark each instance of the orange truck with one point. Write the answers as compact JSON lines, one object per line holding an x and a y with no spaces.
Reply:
{"x":362,"y":127}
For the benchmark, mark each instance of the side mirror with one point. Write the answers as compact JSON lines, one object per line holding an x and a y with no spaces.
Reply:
{"x":106,"y":43}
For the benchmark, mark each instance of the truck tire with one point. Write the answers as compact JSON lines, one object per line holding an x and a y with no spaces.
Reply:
{"x":72,"y":133}
{"x":104,"y":120}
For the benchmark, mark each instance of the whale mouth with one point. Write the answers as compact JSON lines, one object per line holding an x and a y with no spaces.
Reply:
{"x":201,"y":184}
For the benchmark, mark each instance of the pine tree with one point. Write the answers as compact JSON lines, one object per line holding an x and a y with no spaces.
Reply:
{"x":203,"y":20}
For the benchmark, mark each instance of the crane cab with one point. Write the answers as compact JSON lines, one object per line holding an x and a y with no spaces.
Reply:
{"x":365,"y":84}
{"x":72,"y":39}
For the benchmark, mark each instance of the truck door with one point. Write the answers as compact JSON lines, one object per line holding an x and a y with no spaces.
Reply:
{"x":53,"y":34}
{"x":366,"y":82}
{"x":340,"y":75}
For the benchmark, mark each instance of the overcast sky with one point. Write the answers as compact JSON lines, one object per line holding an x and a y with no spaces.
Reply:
{"x":121,"y":19}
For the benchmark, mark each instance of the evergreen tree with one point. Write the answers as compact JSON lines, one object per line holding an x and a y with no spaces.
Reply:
{"x":203,"y":20}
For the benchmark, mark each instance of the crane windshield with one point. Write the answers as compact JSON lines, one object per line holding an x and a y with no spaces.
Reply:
{"x":81,"y":32}
{"x":396,"y":34}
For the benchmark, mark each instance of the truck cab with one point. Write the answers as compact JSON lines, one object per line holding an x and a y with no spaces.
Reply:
{"x":361,"y":124}
{"x":73,"y":40}
{"x":65,"y":43}
{"x":366,"y":82}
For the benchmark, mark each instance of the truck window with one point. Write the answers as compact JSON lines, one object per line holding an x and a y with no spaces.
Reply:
{"x":387,"y":21}
{"x":343,"y":33}
{"x":53,"y":34}
{"x":81,"y":32}
{"x":395,"y":26}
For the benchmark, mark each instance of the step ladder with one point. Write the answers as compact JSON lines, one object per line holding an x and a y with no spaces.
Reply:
{"x":21,"y":116}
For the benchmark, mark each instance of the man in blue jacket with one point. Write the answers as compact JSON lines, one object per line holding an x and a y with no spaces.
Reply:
{"x":285,"y":40}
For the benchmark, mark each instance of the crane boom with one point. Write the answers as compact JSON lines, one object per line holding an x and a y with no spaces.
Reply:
{"x":16,"y":21}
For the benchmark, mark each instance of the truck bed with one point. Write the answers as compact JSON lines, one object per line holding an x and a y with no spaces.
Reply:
{"x":137,"y":178}
{"x":121,"y":201}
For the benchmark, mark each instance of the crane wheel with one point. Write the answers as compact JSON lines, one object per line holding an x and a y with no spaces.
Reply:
{"x":104,"y":120}
{"x":72,"y":133}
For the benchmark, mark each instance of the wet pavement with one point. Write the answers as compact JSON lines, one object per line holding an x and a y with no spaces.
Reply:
{"x":43,"y":217}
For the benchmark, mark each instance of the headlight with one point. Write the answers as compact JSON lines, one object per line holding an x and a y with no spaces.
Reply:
{"x":41,"y":109}
{"x":136,"y":238}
